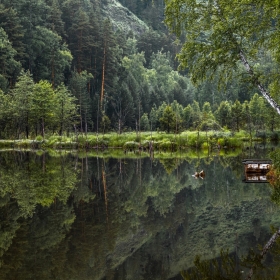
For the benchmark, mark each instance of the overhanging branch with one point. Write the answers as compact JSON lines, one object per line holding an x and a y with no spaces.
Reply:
{"x":263,"y":91}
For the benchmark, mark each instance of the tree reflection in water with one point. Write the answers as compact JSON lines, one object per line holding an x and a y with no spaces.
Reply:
{"x":78,"y":217}
{"x":256,"y":265}
{"x":252,"y":266}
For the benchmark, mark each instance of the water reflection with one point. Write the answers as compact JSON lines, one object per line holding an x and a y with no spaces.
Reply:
{"x":70,"y":217}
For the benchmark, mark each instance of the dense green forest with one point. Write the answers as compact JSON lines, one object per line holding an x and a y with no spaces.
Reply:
{"x":69,"y":66}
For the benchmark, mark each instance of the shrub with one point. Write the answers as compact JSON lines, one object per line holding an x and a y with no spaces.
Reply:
{"x":39,"y":138}
{"x":195,"y":140}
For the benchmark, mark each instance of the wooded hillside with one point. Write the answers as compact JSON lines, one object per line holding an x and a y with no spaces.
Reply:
{"x":105,"y":65}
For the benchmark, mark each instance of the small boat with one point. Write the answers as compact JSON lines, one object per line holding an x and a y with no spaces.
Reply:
{"x":257,"y":165}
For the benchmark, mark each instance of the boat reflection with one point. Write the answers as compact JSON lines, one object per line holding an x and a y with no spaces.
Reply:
{"x":255,"y":178}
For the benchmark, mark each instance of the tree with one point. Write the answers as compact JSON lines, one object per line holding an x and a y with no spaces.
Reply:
{"x":207,"y":112}
{"x":196,"y":116}
{"x":154,"y":118}
{"x":135,"y":78}
{"x":168,"y":119}
{"x":5,"y":112}
{"x":257,"y":111}
{"x":152,"y":42}
{"x":81,"y":40}
{"x":223,"y":113}
{"x":222,"y":34}
{"x":22,"y":96}
{"x":188,"y":113}
{"x":207,"y":118}
{"x":162,"y":80}
{"x":105,"y":122}
{"x":179,"y":113}
{"x":32,"y":16}
{"x":78,"y":87}
{"x":271,"y":119}
{"x":56,"y":23}
{"x":66,"y":108}
{"x":111,"y":60}
{"x":248,"y":118}
{"x":10,"y":22}
{"x":122,"y":107}
{"x":51,"y":57}
{"x":236,"y":115}
{"x":43,"y":105}
{"x":145,"y":125}
{"x":7,"y":61}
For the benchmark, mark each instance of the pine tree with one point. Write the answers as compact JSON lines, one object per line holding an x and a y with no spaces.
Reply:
{"x":10,"y":21}
{"x":9,"y":66}
{"x":22,"y":104}
{"x":65,"y":109}
{"x":78,"y":87}
{"x":81,"y":40}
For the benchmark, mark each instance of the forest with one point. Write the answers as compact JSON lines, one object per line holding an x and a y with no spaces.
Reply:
{"x":67,"y":67}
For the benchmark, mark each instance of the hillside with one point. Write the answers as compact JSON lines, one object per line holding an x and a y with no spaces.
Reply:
{"x":122,"y":18}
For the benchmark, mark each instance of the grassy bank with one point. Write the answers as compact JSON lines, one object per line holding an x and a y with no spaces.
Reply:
{"x":140,"y":142}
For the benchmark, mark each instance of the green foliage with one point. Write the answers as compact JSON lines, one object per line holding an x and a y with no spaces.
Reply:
{"x":220,"y":37}
{"x":9,"y":66}
{"x":214,"y":269}
{"x":168,"y":145}
{"x":168,"y":120}
{"x":39,"y":138}
{"x":131,"y":145}
{"x":53,"y":179}
{"x":65,"y":109}
{"x":121,"y":79}
{"x":209,"y":125}
{"x":145,"y":125}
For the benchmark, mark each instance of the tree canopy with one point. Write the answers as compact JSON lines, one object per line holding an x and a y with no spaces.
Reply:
{"x":222,"y":35}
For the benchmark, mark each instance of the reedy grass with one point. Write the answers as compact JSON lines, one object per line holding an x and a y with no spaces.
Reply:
{"x":144,"y":141}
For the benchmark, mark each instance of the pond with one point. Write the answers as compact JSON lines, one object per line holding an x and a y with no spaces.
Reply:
{"x":65,"y":216}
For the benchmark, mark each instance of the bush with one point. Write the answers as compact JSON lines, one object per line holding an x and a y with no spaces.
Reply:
{"x":39,"y":138}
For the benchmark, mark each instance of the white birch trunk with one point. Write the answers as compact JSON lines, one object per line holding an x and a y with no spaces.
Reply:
{"x":263,"y":91}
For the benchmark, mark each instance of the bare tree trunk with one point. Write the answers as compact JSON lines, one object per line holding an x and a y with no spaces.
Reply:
{"x":103,"y":76}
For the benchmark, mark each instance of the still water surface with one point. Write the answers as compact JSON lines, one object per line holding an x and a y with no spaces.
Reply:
{"x":69,"y":217}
